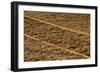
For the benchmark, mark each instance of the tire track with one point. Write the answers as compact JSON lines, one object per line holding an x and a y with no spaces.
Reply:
{"x":56,"y":46}
{"x":67,"y":29}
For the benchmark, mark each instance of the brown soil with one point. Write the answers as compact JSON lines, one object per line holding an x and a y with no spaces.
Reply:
{"x":80,"y":22}
{"x":56,"y":36}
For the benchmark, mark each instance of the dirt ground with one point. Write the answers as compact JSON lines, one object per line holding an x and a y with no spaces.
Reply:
{"x":56,"y":36}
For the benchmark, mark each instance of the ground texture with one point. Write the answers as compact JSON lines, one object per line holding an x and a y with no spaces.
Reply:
{"x":56,"y":36}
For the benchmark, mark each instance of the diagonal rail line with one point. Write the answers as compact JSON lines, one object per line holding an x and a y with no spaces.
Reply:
{"x":79,"y":32}
{"x":56,"y":46}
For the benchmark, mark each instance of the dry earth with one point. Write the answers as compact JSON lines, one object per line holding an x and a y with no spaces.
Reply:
{"x":56,"y":36}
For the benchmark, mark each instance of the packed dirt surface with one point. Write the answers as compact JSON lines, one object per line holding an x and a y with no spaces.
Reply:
{"x":79,"y":22}
{"x":56,"y":36}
